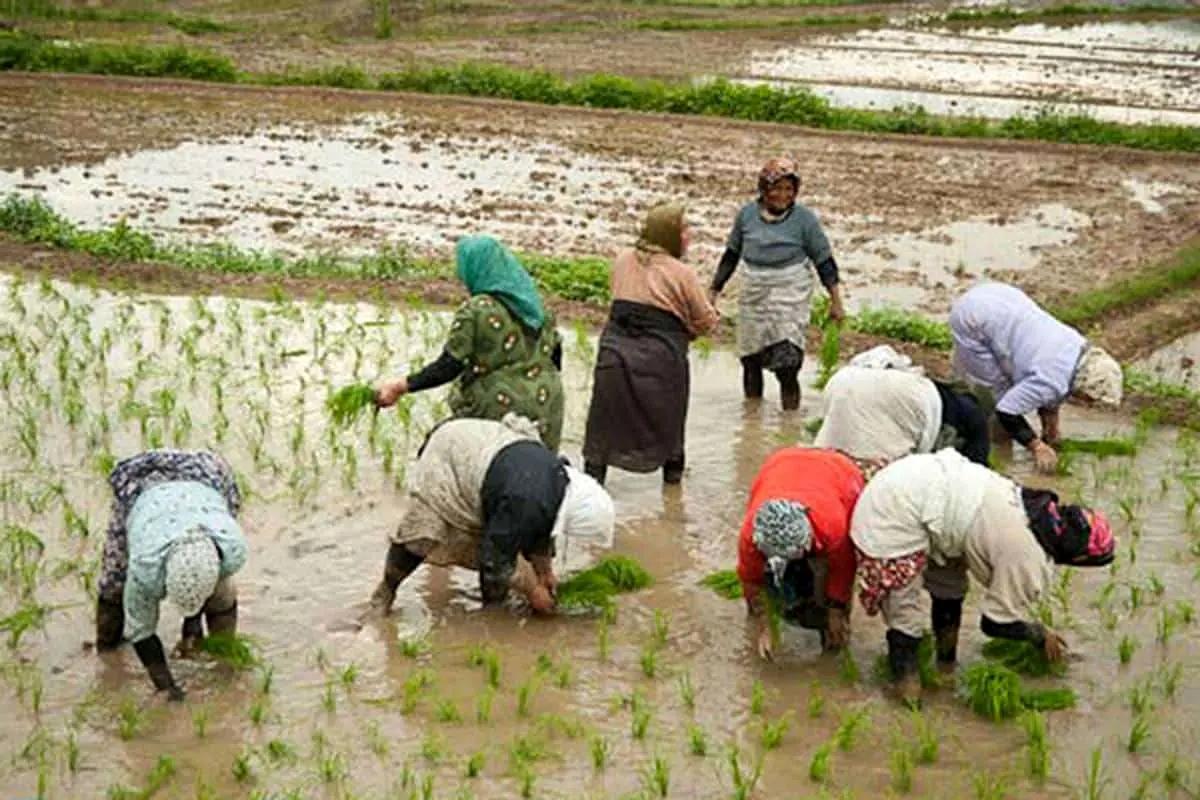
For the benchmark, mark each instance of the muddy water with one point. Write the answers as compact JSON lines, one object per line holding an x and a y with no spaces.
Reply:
{"x":320,"y":505}
{"x":1115,"y":71}
{"x":1176,"y":362}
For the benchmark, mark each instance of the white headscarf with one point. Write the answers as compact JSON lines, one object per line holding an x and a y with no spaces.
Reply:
{"x":586,"y":511}
{"x":1099,"y":378}
{"x":193,"y":568}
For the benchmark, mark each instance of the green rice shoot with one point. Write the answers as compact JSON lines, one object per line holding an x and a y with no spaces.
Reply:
{"x":347,"y":404}
{"x":996,"y":692}
{"x":594,"y":588}
{"x":230,"y":648}
{"x":1022,"y":657}
{"x":725,"y":583}
{"x":1101,"y":448}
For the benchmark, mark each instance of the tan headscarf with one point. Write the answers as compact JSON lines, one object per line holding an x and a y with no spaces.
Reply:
{"x":662,"y":231}
{"x":1098,"y":378}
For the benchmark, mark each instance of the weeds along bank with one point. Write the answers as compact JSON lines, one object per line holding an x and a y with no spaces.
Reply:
{"x":660,"y":698}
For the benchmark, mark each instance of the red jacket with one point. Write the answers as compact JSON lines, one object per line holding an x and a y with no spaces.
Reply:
{"x":828,"y":485}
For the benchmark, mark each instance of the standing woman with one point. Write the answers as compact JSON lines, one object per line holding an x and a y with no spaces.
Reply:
{"x":782,"y":243}
{"x":503,"y":347}
{"x":640,"y":393}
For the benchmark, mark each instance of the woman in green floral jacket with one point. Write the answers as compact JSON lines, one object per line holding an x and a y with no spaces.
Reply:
{"x":503,"y":353}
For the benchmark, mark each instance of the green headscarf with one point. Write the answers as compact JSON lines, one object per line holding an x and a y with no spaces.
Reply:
{"x":487,"y":267}
{"x":662,"y":232}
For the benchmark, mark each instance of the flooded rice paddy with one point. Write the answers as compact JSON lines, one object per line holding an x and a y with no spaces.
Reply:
{"x":911,"y":222}
{"x":1131,"y":72}
{"x":394,"y":709}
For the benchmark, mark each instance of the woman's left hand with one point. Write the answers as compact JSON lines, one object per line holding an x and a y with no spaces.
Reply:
{"x":386,"y":394}
{"x":837,"y":312}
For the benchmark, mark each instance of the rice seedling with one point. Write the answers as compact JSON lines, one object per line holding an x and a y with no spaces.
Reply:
{"x":200,"y":721}
{"x":1097,"y":780}
{"x":258,"y":712}
{"x":447,"y":711}
{"x":662,"y":628}
{"x":928,"y":743}
{"x":1139,"y":698}
{"x":329,"y":698}
{"x":491,"y":666}
{"x":818,"y":766}
{"x":72,"y":752}
{"x":348,"y":676}
{"x":130,"y":719}
{"x":989,"y":787}
{"x":1126,"y":648}
{"x":1170,"y":680}
{"x":848,"y":669}
{"x":1173,"y":774}
{"x":758,"y":698}
{"x":564,"y":676}
{"x":725,"y":583}
{"x":773,"y":732}
{"x":331,"y":768}
{"x":242,"y":771}
{"x":602,"y":639}
{"x":594,"y":588}
{"x":697,"y":740}
{"x":901,"y":761}
{"x":600,"y":750}
{"x":280,"y":752}
{"x":483,"y":705}
{"x":1037,"y":745}
{"x":744,"y":782}
{"x":649,"y":660}
{"x":347,"y":404}
{"x":816,"y":701}
{"x":640,"y":721}
{"x":413,"y":688}
{"x":433,"y":747}
{"x":525,"y":694}
{"x":849,"y":726}
{"x":528,"y":779}
{"x":232,"y":649}
{"x":1139,"y":734}
{"x":475,"y":763}
{"x":544,"y":664}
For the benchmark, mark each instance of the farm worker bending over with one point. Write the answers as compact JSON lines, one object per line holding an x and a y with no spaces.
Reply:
{"x":640,"y":393}
{"x":782,"y":243}
{"x":880,"y":406}
{"x":489,"y":496}
{"x":173,"y":534}
{"x":503,"y":352}
{"x":1030,"y":361}
{"x":938,"y":517}
{"x":795,"y":543}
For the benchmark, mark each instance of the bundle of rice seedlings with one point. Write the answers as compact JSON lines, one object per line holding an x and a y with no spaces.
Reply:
{"x":1048,"y":699}
{"x":725,"y":583}
{"x":1022,"y":657}
{"x":230,"y":648}
{"x":594,"y":588}
{"x":1101,"y":448}
{"x":347,"y":404}
{"x":994,"y":691}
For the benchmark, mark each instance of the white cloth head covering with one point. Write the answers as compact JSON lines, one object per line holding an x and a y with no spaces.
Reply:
{"x":193,"y":568}
{"x":782,"y":532}
{"x":884,"y":356}
{"x":586,"y":511}
{"x":1098,"y":377}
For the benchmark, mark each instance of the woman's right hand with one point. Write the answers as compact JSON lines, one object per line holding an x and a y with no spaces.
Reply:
{"x":1055,"y":647}
{"x":1044,"y":457}
{"x":388,"y":392}
{"x":766,"y":647}
{"x":541,"y":600}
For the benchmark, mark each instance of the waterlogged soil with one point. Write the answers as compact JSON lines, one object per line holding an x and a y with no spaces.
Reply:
{"x":347,"y":711}
{"x":1130,"y":72}
{"x":304,"y":171}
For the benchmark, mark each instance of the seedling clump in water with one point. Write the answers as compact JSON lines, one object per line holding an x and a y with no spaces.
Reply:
{"x":594,"y":588}
{"x":348,"y":403}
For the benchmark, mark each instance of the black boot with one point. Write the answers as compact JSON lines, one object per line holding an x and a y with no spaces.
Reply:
{"x":399,"y":565}
{"x":947,"y":617}
{"x":673,"y":470}
{"x":154,"y":659}
{"x":902,"y":658}
{"x":598,"y":471}
{"x":789,"y":389}
{"x":752,"y":378}
{"x":110,"y":624}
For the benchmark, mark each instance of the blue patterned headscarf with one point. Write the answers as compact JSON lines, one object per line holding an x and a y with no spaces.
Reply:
{"x":782,"y":532}
{"x":487,"y":267}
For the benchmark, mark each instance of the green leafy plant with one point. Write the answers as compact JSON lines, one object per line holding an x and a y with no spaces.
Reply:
{"x":594,"y":588}
{"x":725,"y":583}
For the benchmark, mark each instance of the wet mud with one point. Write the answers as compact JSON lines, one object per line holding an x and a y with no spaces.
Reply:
{"x":302,"y":171}
{"x":349,"y":711}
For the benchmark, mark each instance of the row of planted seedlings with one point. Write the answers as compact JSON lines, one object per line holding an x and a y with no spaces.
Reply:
{"x":89,"y":377}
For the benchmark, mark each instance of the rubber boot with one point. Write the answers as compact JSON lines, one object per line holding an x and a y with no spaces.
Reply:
{"x":673,"y":470}
{"x":597,"y":471}
{"x":222,"y":621}
{"x":947,"y":618}
{"x":110,"y":624}
{"x":752,"y":379}
{"x":399,"y":565}
{"x":789,"y":389}
{"x":154,"y":659}
{"x":902,"y":658}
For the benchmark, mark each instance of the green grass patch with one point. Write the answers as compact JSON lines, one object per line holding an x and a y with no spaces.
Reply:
{"x":906,"y":326}
{"x":43,"y":9}
{"x":717,"y":98}
{"x":1182,"y":271}
{"x":1101,"y":448}
{"x":32,"y":220}
{"x":996,"y":692}
{"x":1022,"y":657}
{"x":594,"y":588}
{"x":725,"y":583}
{"x":230,"y":648}
{"x":1008,"y":14}
{"x":746,"y":24}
